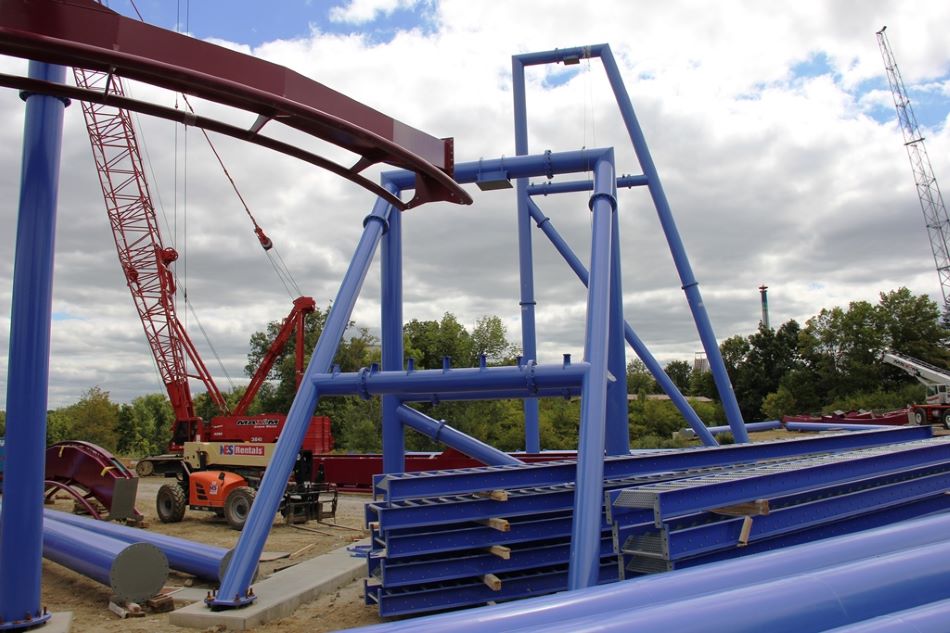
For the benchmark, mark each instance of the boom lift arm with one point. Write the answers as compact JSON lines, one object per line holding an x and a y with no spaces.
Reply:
{"x":930,"y":375}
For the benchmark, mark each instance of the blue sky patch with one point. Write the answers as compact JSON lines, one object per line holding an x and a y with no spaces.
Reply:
{"x":254,"y":22}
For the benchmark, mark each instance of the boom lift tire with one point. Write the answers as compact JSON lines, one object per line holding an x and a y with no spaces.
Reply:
{"x":170,"y":503}
{"x":946,"y":420}
{"x":237,"y":506}
{"x":919,"y":417}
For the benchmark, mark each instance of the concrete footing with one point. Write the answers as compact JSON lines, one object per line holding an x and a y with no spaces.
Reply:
{"x":281,"y":594}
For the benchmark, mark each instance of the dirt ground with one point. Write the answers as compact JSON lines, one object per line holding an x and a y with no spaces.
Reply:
{"x":65,"y":590}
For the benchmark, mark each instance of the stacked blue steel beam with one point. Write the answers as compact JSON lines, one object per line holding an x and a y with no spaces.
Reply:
{"x":465,"y":537}
{"x":694,"y":520}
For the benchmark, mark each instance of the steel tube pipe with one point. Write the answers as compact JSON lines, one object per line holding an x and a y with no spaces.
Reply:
{"x":617,"y":418}
{"x":830,"y":426}
{"x":198,"y":559}
{"x":529,"y":338}
{"x":549,"y":188}
{"x":134,"y":572}
{"x":528,"y":166}
{"x":750,"y":427}
{"x":237,"y":579}
{"x":442,"y":432}
{"x":391,"y":319}
{"x":741,"y":572}
{"x":589,"y":496}
{"x":28,"y":366}
{"x":528,"y":378}
{"x":805,"y":603}
{"x":690,"y":285}
{"x":928,"y":618}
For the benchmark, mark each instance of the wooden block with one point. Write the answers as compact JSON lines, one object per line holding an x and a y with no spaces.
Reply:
{"x":492,"y":581}
{"x":126,"y":609}
{"x":500,"y":551}
{"x":501,"y":525}
{"x":494,"y":495}
{"x":759,"y":507}
{"x":745,"y":531}
{"x":374,"y":526}
{"x":161,"y":603}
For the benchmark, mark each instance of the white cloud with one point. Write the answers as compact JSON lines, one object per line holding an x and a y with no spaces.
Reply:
{"x":772,"y":179}
{"x":363,"y":11}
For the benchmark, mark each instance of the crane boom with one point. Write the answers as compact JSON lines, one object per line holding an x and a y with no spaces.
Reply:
{"x":144,"y":259}
{"x":931,"y":200}
{"x":146,"y":263}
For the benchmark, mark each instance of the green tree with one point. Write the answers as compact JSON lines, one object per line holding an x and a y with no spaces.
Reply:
{"x":679,"y":372}
{"x":639,"y":378}
{"x":490,"y":337}
{"x":427,"y":342}
{"x":94,"y":418}
{"x":144,"y":425}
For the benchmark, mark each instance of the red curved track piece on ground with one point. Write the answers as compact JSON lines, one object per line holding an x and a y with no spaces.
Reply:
{"x":86,"y":470}
{"x":86,"y":34}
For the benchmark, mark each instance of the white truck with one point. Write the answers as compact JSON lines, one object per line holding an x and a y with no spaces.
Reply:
{"x":937,"y":381}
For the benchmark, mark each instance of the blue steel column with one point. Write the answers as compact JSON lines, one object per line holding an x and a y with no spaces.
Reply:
{"x":562,"y":247}
{"x":529,"y":343}
{"x":617,"y":420}
{"x":394,"y":442}
{"x":247,"y":552}
{"x":21,"y":522}
{"x":690,"y":285}
{"x":588,"y":493}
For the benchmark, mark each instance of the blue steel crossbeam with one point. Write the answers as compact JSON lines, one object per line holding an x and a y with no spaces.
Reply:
{"x":685,"y":496}
{"x":409,"y":485}
{"x":691,"y":537}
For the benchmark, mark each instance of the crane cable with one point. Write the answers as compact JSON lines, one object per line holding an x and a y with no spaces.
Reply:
{"x":280,"y":267}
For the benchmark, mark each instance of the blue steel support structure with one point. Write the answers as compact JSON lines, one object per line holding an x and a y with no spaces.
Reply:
{"x":690,"y":285}
{"x":394,"y":443}
{"x":21,"y":521}
{"x":679,"y":401}
{"x":532,"y":434}
{"x":237,"y":579}
{"x":588,"y":495}
{"x":617,"y":420}
{"x":441,"y":432}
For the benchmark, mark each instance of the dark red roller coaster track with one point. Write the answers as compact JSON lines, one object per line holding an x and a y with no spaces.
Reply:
{"x":85,"y":34}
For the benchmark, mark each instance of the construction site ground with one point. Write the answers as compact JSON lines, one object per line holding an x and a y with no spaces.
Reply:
{"x":65,"y":590}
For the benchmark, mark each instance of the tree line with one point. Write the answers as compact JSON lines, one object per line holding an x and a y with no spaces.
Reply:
{"x":831,"y":362}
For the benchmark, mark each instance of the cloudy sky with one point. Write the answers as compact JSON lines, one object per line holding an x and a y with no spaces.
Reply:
{"x":770,"y":123}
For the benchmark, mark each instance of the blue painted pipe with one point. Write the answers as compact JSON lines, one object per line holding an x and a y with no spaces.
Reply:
{"x":523,"y":378}
{"x":589,"y":499}
{"x":237,"y":579}
{"x":804,"y":603}
{"x":928,"y":618}
{"x":750,"y":427}
{"x":574,"y":161}
{"x":668,"y":386}
{"x":550,"y":188}
{"x":442,"y":432}
{"x":198,"y":559}
{"x":830,"y":426}
{"x":391,"y":319}
{"x":529,"y":343}
{"x":690,"y":286}
{"x":617,"y":437}
{"x":134,"y":571}
{"x":748,"y":571}
{"x":28,"y":367}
